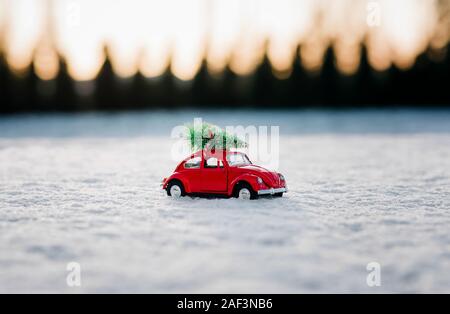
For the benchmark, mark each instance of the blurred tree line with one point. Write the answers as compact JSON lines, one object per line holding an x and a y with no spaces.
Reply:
{"x":425,"y":84}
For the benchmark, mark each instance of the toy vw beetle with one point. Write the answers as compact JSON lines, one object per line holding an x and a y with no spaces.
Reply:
{"x":223,"y":172}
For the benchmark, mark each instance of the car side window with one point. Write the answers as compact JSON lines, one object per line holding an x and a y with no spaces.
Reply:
{"x":212,"y":163}
{"x":193,"y":163}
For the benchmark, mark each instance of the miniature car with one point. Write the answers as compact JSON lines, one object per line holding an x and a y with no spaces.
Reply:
{"x":225,"y":173}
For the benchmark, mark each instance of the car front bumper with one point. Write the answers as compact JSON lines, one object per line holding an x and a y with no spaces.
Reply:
{"x":272,"y":191}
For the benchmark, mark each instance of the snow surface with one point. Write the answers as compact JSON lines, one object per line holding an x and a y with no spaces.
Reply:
{"x":364,"y":186}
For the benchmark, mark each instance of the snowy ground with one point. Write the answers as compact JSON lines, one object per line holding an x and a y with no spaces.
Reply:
{"x":364,"y":186}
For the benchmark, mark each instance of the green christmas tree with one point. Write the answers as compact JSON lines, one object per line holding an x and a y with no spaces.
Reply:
{"x":209,"y":136}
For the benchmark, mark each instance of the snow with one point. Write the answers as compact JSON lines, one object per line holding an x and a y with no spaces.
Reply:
{"x":365,"y":186}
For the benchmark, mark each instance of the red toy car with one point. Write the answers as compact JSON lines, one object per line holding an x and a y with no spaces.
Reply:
{"x":223,"y":172}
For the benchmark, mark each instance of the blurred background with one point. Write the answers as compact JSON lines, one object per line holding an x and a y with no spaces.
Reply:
{"x":90,"y":91}
{"x":71,"y":55}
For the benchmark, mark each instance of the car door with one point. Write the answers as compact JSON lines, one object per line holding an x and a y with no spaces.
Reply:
{"x":214,"y":175}
{"x":192,"y":173}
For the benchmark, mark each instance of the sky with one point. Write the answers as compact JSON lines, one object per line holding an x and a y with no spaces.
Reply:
{"x":148,"y":36}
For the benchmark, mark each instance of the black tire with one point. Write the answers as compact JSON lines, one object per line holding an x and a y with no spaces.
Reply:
{"x":177,"y":183}
{"x":244,"y":185}
{"x":278,"y":194}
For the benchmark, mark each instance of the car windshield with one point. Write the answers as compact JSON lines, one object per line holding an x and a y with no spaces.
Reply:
{"x":237,"y":159}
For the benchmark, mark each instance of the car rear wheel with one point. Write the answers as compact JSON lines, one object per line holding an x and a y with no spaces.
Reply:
{"x":245,"y":192}
{"x":278,"y":194}
{"x":175,"y":189}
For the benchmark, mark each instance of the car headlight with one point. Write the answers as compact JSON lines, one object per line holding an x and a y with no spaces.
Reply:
{"x":281,"y":177}
{"x":260,"y":181}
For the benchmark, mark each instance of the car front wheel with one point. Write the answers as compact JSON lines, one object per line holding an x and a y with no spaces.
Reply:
{"x":175,"y":190}
{"x":245,"y":192}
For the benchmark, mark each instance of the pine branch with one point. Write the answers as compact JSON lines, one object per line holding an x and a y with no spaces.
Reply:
{"x":209,"y":136}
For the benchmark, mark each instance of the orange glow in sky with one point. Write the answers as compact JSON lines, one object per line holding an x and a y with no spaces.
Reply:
{"x":152,"y":36}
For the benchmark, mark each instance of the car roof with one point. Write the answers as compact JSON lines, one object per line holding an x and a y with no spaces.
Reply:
{"x":217,"y":151}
